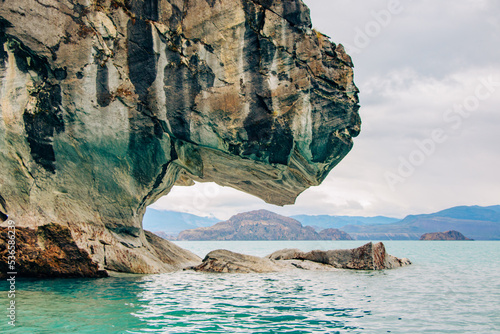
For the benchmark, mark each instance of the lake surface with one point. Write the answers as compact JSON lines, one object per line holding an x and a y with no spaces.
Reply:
{"x":452,"y":287}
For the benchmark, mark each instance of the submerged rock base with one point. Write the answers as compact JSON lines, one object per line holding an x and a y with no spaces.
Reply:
{"x":47,"y":251}
{"x":367,"y":257}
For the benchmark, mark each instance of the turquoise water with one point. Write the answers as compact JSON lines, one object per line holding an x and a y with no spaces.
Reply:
{"x":452,"y":287}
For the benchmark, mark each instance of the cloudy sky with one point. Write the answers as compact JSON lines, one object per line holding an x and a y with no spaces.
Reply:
{"x":429,"y":76}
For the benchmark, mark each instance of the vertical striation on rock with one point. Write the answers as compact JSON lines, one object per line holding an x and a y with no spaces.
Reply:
{"x":105,"y":105}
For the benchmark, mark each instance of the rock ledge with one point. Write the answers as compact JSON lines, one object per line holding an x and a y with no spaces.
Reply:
{"x":367,"y":257}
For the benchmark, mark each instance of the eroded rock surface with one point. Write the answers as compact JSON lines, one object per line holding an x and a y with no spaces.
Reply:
{"x":47,"y":251}
{"x":224,"y":261}
{"x":105,"y":105}
{"x":366,"y":257}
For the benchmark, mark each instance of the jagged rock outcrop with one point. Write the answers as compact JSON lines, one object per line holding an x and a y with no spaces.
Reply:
{"x":366,"y":257}
{"x":47,"y":251}
{"x":448,"y":235}
{"x":105,"y":105}
{"x":50,"y":251}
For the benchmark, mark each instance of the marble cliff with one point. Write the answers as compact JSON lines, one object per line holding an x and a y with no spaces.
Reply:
{"x":105,"y":105}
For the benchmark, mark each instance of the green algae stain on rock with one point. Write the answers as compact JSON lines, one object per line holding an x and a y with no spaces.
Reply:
{"x":121,"y":100}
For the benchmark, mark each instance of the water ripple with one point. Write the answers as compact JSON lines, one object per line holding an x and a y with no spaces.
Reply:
{"x":451,"y":288}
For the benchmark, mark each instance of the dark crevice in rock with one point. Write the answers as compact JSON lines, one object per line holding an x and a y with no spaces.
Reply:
{"x":103,"y":94}
{"x":60,"y":73}
{"x":267,"y":54}
{"x":283,"y":143}
{"x":145,"y":154}
{"x":255,"y":15}
{"x":156,"y":185}
{"x":3,"y":216}
{"x":42,"y":123}
{"x":3,"y":39}
{"x":53,"y":50}
{"x":159,"y":127}
{"x":179,"y":78}
{"x":159,"y":178}
{"x":3,"y":203}
{"x":263,"y":129}
{"x":151,"y":10}
{"x":142,"y":60}
{"x":173,"y":152}
{"x":25,"y":167}
{"x":211,"y":3}
{"x":27,"y":60}
{"x":191,"y":79}
{"x":259,"y":122}
{"x":48,"y":6}
{"x":44,"y":119}
{"x":124,"y":230}
{"x":294,"y":12}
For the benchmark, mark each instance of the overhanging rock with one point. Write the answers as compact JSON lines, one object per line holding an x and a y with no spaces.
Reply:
{"x":106,"y":105}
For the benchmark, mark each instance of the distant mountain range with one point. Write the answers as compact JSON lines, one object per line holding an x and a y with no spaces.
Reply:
{"x":475,"y":222}
{"x":325,"y":221}
{"x":171,"y":223}
{"x":261,"y":225}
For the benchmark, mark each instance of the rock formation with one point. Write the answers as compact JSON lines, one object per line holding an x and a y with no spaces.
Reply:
{"x":261,"y":225}
{"x":105,"y":105}
{"x":366,"y":257}
{"x":333,"y":234}
{"x":48,"y":251}
{"x":448,"y":235}
{"x":224,"y":261}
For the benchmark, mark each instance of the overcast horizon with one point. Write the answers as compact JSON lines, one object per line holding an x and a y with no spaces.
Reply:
{"x":429,"y":81}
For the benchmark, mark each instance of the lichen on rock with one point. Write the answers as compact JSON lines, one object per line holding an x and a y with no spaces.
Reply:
{"x":105,"y":105}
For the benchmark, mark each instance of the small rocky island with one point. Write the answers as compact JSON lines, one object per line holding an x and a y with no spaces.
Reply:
{"x":261,"y":225}
{"x":367,"y":257}
{"x":448,"y":235}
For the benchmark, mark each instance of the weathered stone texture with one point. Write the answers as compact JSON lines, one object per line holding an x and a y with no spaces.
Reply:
{"x":366,"y":257}
{"x":105,"y":105}
{"x":47,"y":251}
